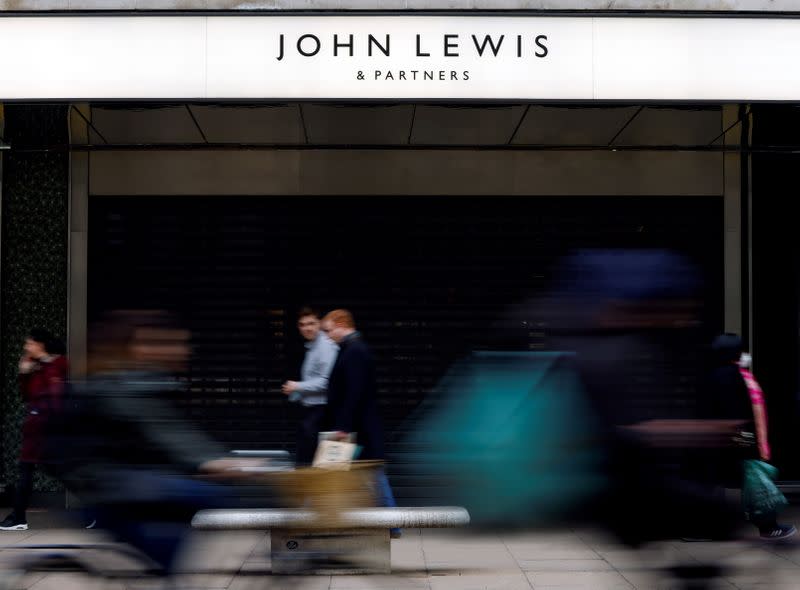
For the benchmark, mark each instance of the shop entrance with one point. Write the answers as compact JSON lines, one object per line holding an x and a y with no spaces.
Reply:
{"x":225,"y":215}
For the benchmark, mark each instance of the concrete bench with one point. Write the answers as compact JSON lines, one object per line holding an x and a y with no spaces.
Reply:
{"x":278,"y":460}
{"x":359,"y":543}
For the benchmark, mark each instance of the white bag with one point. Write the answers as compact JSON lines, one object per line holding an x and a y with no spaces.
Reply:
{"x":333,"y":454}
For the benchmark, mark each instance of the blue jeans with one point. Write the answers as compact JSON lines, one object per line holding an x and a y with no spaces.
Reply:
{"x":383,"y":493}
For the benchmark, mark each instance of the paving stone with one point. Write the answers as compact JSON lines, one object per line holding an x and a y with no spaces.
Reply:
{"x":438,"y":560}
{"x":379,"y":583}
{"x":495,"y":581}
{"x":593,"y":580}
{"x":564,"y":565}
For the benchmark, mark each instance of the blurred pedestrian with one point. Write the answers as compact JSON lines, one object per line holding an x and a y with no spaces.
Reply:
{"x":737,"y":395}
{"x":132,"y":457}
{"x":634,"y":318}
{"x":311,"y":392}
{"x":43,"y":374}
{"x":352,"y":392}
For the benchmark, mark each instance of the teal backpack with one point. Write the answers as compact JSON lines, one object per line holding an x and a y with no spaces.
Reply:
{"x":509,"y":436}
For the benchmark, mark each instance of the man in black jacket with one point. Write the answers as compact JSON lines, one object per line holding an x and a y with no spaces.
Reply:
{"x":352,"y":405}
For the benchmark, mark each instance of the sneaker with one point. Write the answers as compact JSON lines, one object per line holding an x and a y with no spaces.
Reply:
{"x":12,"y":523}
{"x":395,"y":533}
{"x":91,"y":525}
{"x":782,"y":531}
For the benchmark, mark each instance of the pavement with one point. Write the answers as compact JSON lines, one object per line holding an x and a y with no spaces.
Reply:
{"x":451,"y":560}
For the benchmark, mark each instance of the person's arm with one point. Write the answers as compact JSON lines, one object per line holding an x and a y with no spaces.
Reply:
{"x":57,"y":383}
{"x":318,"y":383}
{"x":355,"y":376}
{"x":161,"y":427}
{"x":759,"y":413}
{"x":26,"y":368}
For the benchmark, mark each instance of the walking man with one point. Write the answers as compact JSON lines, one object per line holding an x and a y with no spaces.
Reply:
{"x":311,"y":391}
{"x":352,"y":392}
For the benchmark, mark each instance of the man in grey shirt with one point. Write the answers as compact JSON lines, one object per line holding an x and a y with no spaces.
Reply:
{"x":312,"y":391}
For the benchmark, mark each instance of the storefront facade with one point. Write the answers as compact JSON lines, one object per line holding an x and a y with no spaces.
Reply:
{"x":470,"y":144}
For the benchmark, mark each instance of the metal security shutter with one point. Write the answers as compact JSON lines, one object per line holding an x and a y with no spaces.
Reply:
{"x":428,"y":279}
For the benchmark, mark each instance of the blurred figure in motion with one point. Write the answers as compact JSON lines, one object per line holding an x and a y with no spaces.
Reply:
{"x":311,"y":392}
{"x":634,"y":318}
{"x":735,"y":394}
{"x":352,"y":392}
{"x":43,"y":375}
{"x":126,"y":452}
{"x":577,"y":434}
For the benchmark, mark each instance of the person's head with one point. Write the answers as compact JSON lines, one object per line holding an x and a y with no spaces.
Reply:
{"x":161,"y":346}
{"x":726,"y":349}
{"x":628,"y":290}
{"x":143,"y":339}
{"x":338,"y":324}
{"x":308,"y":323}
{"x":37,"y":343}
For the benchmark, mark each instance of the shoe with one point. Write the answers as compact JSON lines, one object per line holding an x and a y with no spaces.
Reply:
{"x":395,"y":533}
{"x":91,"y":525}
{"x":782,"y":531}
{"x":12,"y":523}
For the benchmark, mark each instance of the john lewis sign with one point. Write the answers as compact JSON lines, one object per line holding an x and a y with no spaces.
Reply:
{"x":398,"y":57}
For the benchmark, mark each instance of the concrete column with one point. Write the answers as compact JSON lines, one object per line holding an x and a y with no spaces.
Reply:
{"x":78,"y":239}
{"x":732,"y":180}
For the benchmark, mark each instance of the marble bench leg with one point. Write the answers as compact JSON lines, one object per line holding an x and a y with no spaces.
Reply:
{"x":315,"y":551}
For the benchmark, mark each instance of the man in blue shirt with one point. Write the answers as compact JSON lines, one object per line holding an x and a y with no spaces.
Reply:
{"x":311,"y":392}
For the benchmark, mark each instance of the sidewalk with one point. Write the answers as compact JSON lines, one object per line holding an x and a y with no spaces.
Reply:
{"x":457,"y":560}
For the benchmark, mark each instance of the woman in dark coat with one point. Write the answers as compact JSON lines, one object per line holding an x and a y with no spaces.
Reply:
{"x":42,"y":378}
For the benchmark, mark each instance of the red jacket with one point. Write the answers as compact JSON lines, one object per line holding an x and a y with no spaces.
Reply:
{"x":42,"y":391}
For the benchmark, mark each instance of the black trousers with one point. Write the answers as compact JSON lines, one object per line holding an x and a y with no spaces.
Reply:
{"x":22,"y":496}
{"x":307,"y":433}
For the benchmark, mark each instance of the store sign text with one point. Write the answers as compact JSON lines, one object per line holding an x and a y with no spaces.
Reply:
{"x":450,"y":45}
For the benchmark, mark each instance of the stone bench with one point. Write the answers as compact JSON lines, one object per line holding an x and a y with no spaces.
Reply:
{"x":359,"y":543}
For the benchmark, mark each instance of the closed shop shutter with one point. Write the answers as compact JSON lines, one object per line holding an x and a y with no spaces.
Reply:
{"x":428,"y":279}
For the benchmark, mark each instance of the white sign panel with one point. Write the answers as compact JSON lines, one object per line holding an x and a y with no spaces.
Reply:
{"x":261,"y":57}
{"x":696,"y":59}
{"x":108,"y":57}
{"x":400,"y":57}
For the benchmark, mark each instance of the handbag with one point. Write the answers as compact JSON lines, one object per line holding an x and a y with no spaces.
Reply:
{"x":744,"y":439}
{"x":760,"y":495}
